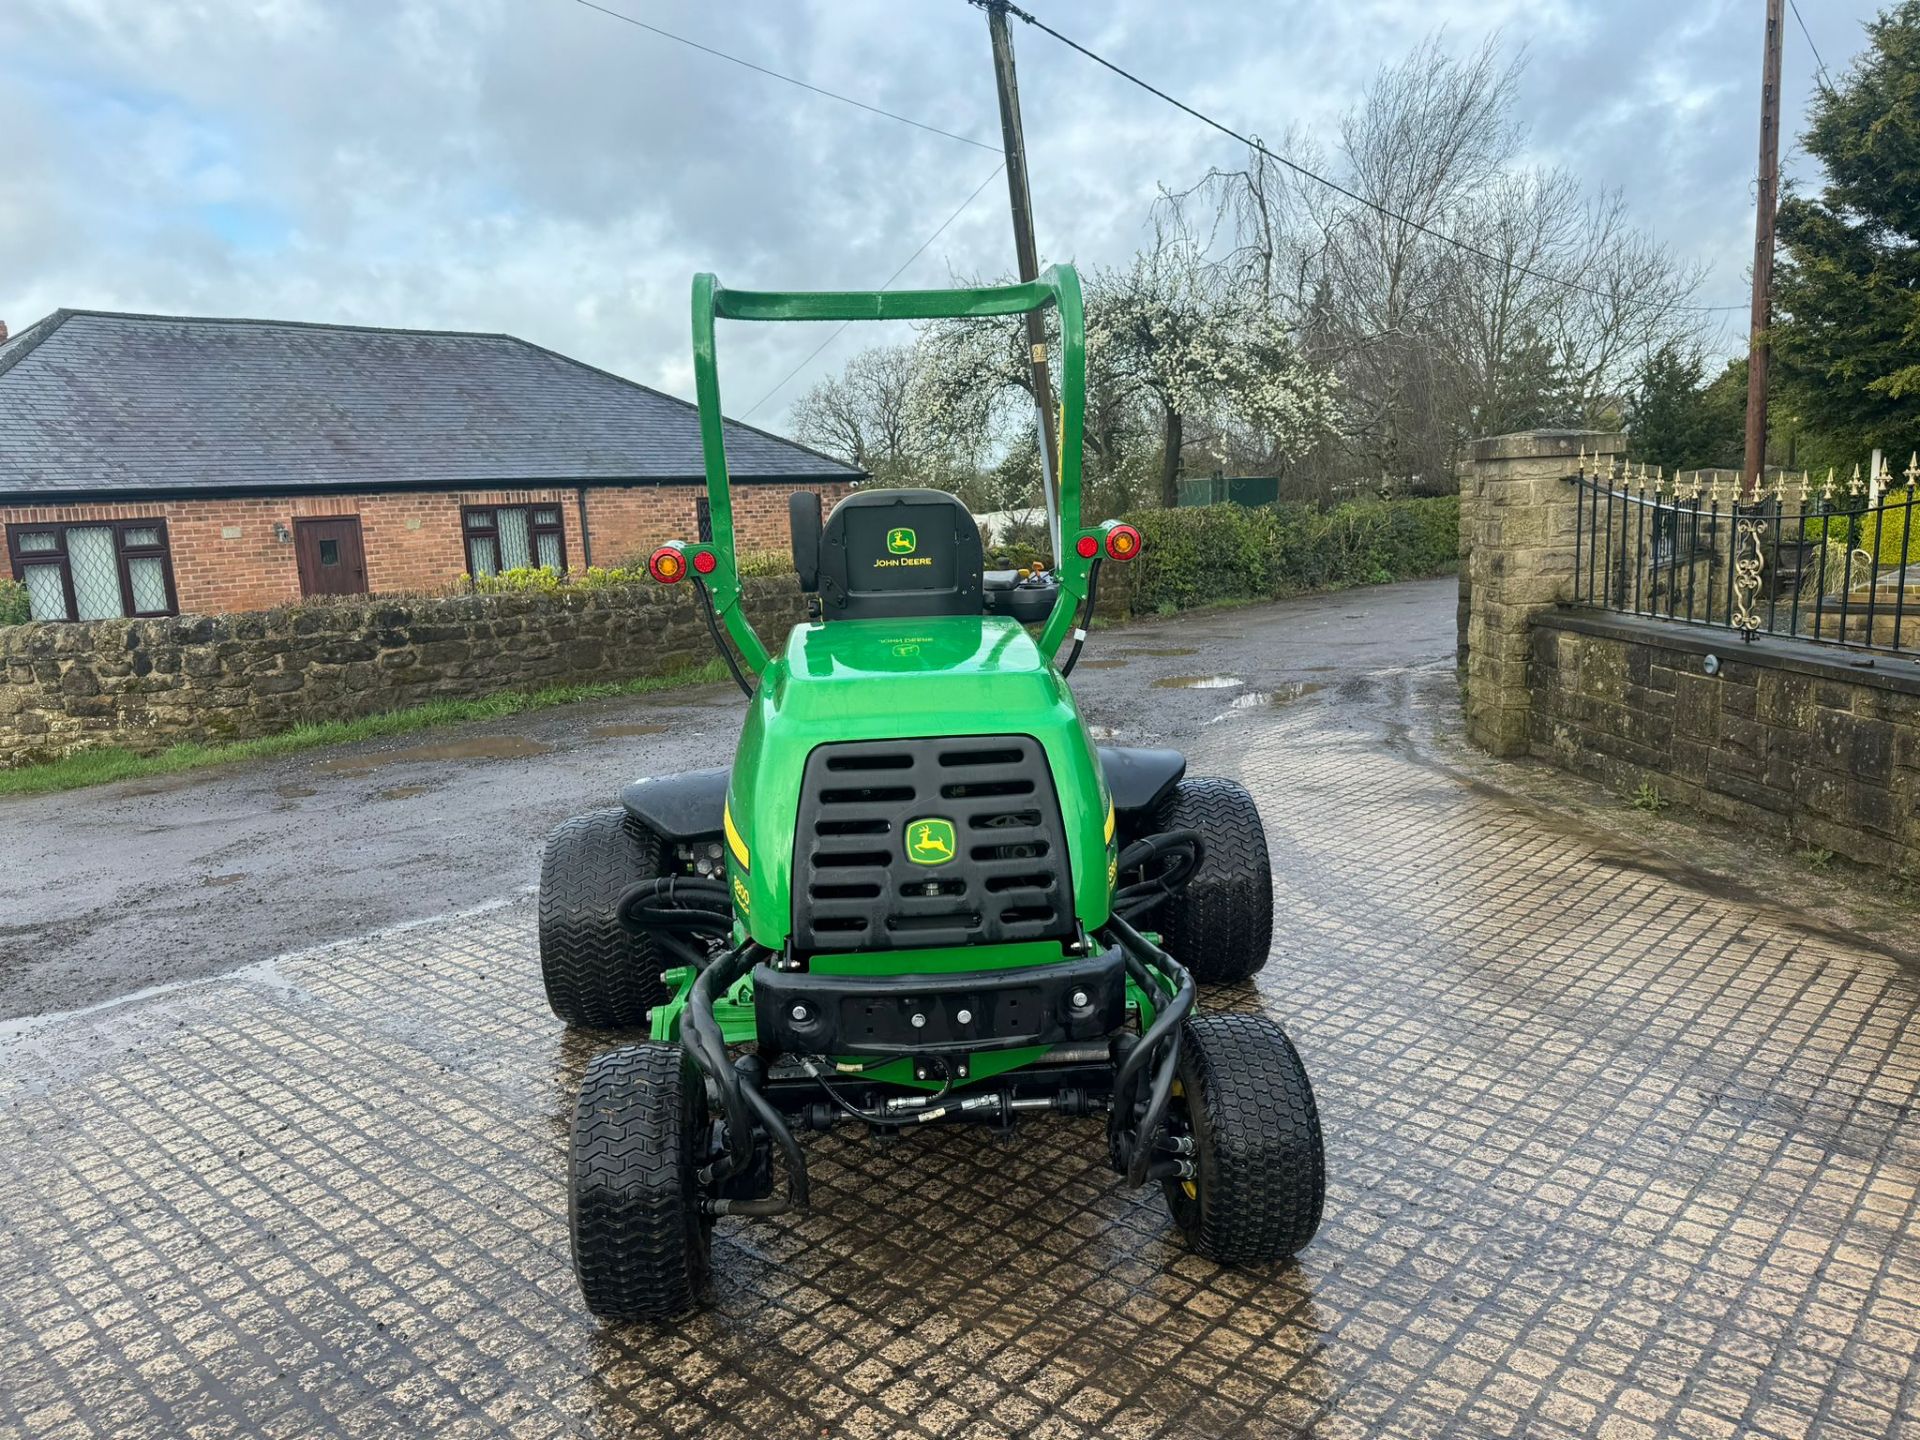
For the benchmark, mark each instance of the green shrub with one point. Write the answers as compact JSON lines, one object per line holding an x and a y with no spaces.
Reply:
{"x":1204,"y":555}
{"x":14,"y":609}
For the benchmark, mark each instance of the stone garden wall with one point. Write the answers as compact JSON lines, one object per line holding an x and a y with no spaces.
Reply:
{"x":1795,"y":741}
{"x":151,"y":683}
{"x":1807,"y":742}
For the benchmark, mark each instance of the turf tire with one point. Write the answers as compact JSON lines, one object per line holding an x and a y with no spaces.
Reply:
{"x":640,"y":1243}
{"x":597,"y":975}
{"x":1261,"y":1172}
{"x":1222,"y":927}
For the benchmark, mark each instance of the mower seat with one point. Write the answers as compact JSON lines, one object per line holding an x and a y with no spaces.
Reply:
{"x":888,"y":554}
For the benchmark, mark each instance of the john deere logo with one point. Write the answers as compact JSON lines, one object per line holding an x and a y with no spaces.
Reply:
{"x":901,"y":541}
{"x":930,"y":842}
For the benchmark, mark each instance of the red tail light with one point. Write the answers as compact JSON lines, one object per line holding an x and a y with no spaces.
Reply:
{"x":1123,"y":542}
{"x":704,"y":561}
{"x":1087,"y":546}
{"x":667,"y":565}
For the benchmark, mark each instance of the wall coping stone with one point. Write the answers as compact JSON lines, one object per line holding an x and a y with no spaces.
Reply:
{"x":1771,"y":652}
{"x":1542,"y":444}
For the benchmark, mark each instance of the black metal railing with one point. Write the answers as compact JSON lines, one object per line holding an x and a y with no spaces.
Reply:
{"x":1834,"y":562}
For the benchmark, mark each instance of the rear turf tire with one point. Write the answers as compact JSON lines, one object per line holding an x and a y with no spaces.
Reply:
{"x":1222,"y":927}
{"x":640,"y":1244}
{"x":597,"y":975}
{"x":1261,"y":1172}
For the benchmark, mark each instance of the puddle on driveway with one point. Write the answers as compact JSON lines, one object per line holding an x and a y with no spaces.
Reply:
{"x":1198,"y":682}
{"x":625,"y":731}
{"x":1281,"y":695}
{"x":1164,"y":653}
{"x":218,"y":880}
{"x":480,"y":747}
{"x":294,"y":792}
{"x":1103,"y":732}
{"x":404,"y":792}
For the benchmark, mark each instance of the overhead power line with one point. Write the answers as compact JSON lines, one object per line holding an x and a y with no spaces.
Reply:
{"x":1819,"y":64}
{"x":888,"y":286}
{"x":791,"y":80}
{"x":1253,"y":144}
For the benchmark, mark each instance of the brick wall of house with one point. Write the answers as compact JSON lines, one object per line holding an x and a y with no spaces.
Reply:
{"x":227,"y":559}
{"x":629,"y":523}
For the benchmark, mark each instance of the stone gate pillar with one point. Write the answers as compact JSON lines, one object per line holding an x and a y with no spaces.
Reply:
{"x":1517,"y":513}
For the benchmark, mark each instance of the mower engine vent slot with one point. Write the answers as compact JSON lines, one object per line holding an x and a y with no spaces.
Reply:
{"x":867,"y":795}
{"x":851,"y":859}
{"x":853,"y":827}
{"x":1005,"y":820}
{"x":926,"y":889}
{"x":1027,"y":914}
{"x":980,"y":757}
{"x":865,"y":890}
{"x":868,"y":874}
{"x":986,"y":789}
{"x":1000,"y":854}
{"x":870,"y":762}
{"x":1041,"y":881}
{"x":843,"y":925}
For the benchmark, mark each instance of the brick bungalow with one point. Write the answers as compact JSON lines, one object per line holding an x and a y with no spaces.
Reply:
{"x":153,"y":465}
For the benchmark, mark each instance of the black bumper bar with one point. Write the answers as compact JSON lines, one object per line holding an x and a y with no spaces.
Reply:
{"x":810,"y":1014}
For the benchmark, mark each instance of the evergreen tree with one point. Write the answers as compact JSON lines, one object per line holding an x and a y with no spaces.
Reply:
{"x":1848,"y":344}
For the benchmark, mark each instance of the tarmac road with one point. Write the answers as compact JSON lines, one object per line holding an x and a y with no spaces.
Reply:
{"x":149,"y":882}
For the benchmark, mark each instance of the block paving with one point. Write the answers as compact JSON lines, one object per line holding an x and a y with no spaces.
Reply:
{"x":1608,"y":1156}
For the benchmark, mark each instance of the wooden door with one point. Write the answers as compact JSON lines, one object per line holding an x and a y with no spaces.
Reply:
{"x":331,"y":560}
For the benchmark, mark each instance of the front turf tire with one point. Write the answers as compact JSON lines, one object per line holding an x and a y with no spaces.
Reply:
{"x":597,"y":975}
{"x":641,"y":1245}
{"x":1222,"y":927}
{"x":1261,"y":1173}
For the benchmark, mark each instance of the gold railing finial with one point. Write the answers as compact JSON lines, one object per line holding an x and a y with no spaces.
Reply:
{"x":1826,"y":490}
{"x":1913,"y":470}
{"x":1853,"y":485}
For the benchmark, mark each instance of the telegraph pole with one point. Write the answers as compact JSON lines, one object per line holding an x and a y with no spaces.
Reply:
{"x":1021,"y":200}
{"x":1767,"y":202}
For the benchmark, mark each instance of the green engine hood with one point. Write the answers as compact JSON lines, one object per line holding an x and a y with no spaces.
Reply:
{"x":895,"y":680}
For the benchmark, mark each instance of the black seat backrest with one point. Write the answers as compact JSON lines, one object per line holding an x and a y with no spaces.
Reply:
{"x":891,"y":553}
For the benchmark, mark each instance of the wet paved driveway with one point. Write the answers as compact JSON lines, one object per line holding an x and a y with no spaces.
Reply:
{"x":1608,"y":1156}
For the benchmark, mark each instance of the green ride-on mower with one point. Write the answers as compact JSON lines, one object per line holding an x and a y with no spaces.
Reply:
{"x":921,"y":895}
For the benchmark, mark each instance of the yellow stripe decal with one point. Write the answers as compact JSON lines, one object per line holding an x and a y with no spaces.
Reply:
{"x":1109,"y":825}
{"x":734,"y":842}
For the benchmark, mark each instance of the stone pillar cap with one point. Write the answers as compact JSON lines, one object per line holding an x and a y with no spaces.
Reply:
{"x":1545,"y":444}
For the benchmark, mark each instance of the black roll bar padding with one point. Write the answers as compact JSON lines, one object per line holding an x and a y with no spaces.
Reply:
{"x":1160,"y":1046}
{"x":803,"y":519}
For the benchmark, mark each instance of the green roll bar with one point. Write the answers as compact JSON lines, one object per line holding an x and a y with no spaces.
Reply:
{"x":1058,"y":286}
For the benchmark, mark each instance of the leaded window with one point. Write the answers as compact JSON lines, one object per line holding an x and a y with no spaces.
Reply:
{"x":93,"y":570}
{"x":513,"y":537}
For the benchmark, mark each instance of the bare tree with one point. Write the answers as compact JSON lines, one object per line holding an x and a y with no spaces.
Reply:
{"x":863,"y":413}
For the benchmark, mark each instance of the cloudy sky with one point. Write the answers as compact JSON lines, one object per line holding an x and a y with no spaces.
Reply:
{"x":536,"y":167}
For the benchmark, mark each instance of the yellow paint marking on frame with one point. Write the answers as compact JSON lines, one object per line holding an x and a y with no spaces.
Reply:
{"x":734,"y":842}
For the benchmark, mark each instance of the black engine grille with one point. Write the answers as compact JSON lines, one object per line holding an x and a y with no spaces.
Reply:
{"x":854,"y":887}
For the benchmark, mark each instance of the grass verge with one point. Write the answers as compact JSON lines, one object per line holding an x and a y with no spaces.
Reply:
{"x":113,"y":762}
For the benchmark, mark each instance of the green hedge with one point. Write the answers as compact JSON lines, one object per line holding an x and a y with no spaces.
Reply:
{"x":1207,"y":554}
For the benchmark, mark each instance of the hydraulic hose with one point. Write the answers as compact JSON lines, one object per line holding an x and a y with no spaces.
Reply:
{"x":719,"y":640}
{"x":1183,"y":851}
{"x":1158,"y":1046}
{"x":1086,"y":618}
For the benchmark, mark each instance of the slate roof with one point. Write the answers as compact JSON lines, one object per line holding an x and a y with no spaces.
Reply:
{"x":97,"y":403}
